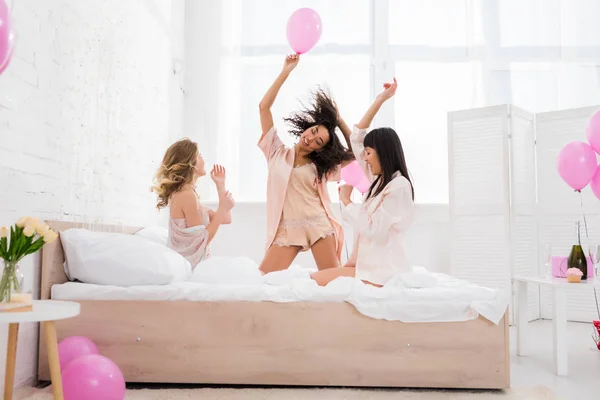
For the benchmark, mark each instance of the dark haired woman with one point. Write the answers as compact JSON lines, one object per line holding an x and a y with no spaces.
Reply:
{"x":387,"y":211}
{"x":299,"y":215}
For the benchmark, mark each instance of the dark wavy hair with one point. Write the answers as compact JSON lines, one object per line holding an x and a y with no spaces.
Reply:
{"x":389,"y":149}
{"x":321,"y":111}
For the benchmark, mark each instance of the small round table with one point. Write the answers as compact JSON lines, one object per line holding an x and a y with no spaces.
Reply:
{"x":46,"y":312}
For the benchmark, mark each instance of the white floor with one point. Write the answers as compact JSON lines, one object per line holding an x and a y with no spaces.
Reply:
{"x":583,"y":382}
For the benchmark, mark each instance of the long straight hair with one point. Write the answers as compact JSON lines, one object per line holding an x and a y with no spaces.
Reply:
{"x":386,"y":143}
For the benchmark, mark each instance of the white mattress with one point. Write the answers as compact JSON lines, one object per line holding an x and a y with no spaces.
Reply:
{"x":417,"y":297}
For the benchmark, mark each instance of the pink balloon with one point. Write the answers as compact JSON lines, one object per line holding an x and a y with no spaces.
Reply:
{"x":6,"y":36}
{"x":303,"y":30}
{"x":593,"y":131}
{"x":4,"y":65}
{"x":74,"y":347}
{"x":595,"y":183}
{"x":352,"y":173}
{"x":577,"y":164}
{"x":93,"y":377}
{"x":363,"y":185}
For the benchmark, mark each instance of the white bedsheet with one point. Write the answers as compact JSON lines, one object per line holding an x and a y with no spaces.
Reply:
{"x":420,"y":296}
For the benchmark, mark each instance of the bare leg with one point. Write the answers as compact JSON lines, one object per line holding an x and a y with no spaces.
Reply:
{"x":325,"y":276}
{"x":324,"y":253}
{"x":278,"y":258}
{"x":351,"y":263}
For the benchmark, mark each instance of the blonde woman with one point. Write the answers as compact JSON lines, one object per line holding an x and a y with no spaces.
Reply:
{"x":192,"y":226}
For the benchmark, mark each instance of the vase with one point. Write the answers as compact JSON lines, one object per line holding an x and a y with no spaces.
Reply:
{"x":11,"y":281}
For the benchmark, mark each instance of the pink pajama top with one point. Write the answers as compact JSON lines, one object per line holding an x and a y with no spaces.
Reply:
{"x":192,"y":242}
{"x":380,"y":224}
{"x":280,"y":161}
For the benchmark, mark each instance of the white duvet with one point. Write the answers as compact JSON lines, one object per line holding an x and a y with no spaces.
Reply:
{"x":419,"y":296}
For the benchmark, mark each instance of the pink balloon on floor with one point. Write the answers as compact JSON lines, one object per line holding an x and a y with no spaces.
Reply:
{"x":93,"y":377}
{"x":6,"y":36}
{"x":74,"y":347}
{"x":352,"y":173}
{"x":593,"y":131}
{"x":577,"y":164}
{"x":303,"y":30}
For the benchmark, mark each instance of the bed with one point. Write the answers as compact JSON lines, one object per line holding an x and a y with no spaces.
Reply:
{"x":266,"y":343}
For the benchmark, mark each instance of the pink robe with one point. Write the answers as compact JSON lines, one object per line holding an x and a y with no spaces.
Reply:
{"x":280,"y":161}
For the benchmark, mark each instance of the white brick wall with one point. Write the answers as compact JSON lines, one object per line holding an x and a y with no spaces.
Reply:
{"x":87,"y":108}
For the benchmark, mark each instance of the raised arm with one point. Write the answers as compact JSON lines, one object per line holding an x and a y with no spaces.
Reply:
{"x":218,"y":175}
{"x":347,"y":132}
{"x":389,"y":89}
{"x":360,"y":130}
{"x":220,"y":216}
{"x":266,"y":118}
{"x":193,"y":215}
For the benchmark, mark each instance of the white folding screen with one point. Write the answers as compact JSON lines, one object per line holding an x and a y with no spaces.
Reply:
{"x":559,"y":206}
{"x":507,"y":199}
{"x":492,"y":196}
{"x":523,"y":210}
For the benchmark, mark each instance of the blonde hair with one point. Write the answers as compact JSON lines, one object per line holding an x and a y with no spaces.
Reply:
{"x":177,"y":170}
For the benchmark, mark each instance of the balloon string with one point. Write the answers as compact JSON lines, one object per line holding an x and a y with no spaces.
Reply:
{"x":587,"y":235}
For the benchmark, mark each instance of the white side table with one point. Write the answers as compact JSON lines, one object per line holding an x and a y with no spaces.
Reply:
{"x":46,"y":312}
{"x":558,"y":286}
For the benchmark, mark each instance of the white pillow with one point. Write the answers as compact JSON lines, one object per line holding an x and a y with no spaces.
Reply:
{"x":118,"y":259}
{"x":155,"y":233}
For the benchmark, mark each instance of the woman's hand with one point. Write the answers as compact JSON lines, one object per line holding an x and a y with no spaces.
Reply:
{"x":389,"y":90}
{"x":345,"y":191}
{"x":218,"y":175}
{"x":290,"y":62}
{"x":226,"y":203}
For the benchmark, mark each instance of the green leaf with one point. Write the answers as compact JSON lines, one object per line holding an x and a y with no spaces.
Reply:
{"x":13,"y":239}
{"x":38,"y":244}
{"x":18,"y":244}
{"x":4,"y":246}
{"x":25,"y":244}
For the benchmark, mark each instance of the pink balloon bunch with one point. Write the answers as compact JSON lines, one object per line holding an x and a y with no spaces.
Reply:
{"x":303,"y":30}
{"x":353,"y":175}
{"x":86,"y":374}
{"x":7,"y":36}
{"x":577,"y":164}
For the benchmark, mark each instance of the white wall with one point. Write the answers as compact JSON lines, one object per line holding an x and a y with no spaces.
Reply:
{"x":427,"y":241}
{"x":87,"y":108}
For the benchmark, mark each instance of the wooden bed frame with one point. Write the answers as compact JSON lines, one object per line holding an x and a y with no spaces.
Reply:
{"x":267,"y":343}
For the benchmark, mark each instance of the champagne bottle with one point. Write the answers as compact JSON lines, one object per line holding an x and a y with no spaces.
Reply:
{"x":577,"y":256}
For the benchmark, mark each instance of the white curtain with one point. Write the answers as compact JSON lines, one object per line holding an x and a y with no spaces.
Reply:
{"x":446,"y":54}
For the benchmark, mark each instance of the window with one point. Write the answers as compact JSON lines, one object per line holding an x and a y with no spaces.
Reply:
{"x":446,"y":54}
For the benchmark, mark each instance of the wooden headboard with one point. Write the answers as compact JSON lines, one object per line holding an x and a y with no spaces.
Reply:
{"x":53,"y":258}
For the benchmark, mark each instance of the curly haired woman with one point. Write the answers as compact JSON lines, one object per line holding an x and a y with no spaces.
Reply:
{"x":192,"y":226}
{"x":299,"y":215}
